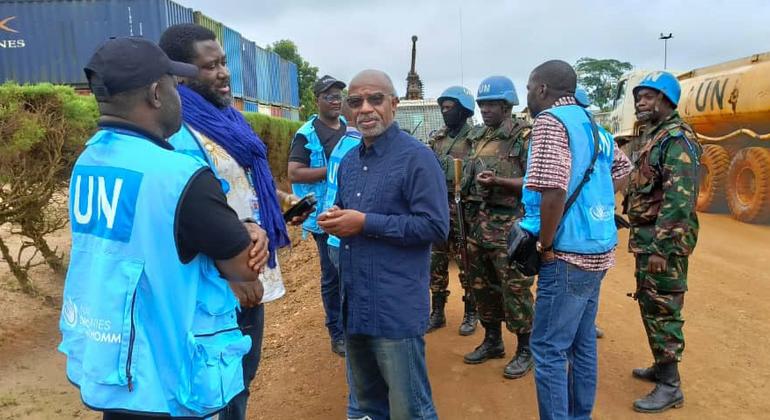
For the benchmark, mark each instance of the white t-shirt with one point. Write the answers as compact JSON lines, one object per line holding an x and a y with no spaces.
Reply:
{"x":241,"y":197}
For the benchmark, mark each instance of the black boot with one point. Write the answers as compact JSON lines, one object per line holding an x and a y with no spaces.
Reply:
{"x":491,"y":348}
{"x":437,"y":318}
{"x":667,"y":392}
{"x":522,"y":362}
{"x":647,"y":374}
{"x":470,"y":318}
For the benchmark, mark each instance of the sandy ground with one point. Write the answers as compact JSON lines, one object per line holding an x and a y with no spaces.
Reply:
{"x":726,"y":368}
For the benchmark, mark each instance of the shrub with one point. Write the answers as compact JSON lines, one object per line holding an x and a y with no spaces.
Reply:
{"x":43,"y":128}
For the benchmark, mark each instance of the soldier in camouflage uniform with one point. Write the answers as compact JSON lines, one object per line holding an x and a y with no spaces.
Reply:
{"x":660,"y":203}
{"x":492,"y":177}
{"x":449,"y":143}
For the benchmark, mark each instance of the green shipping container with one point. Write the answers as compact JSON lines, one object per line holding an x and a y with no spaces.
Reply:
{"x":209,"y":23}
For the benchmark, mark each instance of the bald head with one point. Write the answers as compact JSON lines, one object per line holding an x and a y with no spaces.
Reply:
{"x":549,"y":82}
{"x":372,"y":77}
{"x":372,"y":101}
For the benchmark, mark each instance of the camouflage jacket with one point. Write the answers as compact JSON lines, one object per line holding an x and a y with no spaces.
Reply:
{"x":448,"y":148}
{"x":502,"y":151}
{"x":662,"y":191}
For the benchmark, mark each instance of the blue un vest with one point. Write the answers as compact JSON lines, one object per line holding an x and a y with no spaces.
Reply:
{"x":317,"y":160}
{"x":351,"y":139}
{"x":589,"y":225}
{"x":142,"y":331}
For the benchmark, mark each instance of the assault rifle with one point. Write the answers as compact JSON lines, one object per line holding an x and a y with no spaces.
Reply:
{"x":461,"y":238}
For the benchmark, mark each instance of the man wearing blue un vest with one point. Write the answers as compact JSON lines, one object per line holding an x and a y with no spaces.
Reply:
{"x":569,"y":203}
{"x":148,"y":321}
{"x":310,"y":162}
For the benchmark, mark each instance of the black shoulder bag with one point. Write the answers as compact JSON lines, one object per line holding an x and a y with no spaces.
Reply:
{"x":522,"y":244}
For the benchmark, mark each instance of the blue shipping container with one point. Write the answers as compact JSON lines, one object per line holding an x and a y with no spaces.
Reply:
{"x":294,"y":81}
{"x":232,"y":47}
{"x":263,"y":76}
{"x":285,"y":85}
{"x":249,"y":106}
{"x":274,"y":70}
{"x":51,"y":41}
{"x":249,"y":57}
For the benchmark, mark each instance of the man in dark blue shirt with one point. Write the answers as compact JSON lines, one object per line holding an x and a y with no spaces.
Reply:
{"x":391,"y":205}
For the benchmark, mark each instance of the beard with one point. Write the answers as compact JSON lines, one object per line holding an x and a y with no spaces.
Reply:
{"x":644,"y":116}
{"x":375,"y":131}
{"x":217,"y":99}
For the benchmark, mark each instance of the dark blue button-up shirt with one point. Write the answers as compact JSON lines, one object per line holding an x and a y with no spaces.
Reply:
{"x":399,"y":185}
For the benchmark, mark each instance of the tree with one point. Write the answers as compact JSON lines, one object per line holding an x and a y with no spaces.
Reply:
{"x":600,"y":78}
{"x":308,"y":75}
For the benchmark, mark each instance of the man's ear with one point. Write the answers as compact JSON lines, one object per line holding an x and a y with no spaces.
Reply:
{"x":153,"y":95}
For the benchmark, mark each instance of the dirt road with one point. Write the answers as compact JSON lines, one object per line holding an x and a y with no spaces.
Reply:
{"x":726,"y":368}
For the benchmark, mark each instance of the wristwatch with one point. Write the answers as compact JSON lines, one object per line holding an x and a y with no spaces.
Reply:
{"x":546,"y":253}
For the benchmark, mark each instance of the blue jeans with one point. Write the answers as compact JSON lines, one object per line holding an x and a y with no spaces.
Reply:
{"x":353,"y":411}
{"x":330,"y":288}
{"x":564,"y":333}
{"x":390,"y":377}
{"x":252,"y":323}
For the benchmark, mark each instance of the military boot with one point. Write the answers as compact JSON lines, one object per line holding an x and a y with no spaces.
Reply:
{"x":522,"y":362}
{"x":647,"y":374}
{"x":491,"y":348}
{"x":437,"y":318}
{"x":470,"y":318}
{"x":667,"y":392}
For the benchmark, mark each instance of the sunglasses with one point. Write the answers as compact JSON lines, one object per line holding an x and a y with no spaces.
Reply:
{"x":332,"y":97}
{"x":376,"y":99}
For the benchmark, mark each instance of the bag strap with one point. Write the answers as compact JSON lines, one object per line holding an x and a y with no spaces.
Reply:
{"x":587,"y":174}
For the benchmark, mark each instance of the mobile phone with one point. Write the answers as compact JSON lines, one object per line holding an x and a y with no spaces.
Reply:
{"x":305,"y":204}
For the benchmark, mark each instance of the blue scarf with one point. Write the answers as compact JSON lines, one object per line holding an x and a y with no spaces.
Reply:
{"x":229,"y":129}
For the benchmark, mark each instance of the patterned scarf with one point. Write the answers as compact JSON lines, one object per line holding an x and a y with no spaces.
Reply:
{"x":229,"y":129}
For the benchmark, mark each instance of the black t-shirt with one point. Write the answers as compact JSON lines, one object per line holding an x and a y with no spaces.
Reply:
{"x":204,"y":222}
{"x":327,"y":135}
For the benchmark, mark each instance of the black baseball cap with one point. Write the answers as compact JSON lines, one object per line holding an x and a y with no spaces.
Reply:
{"x":126,"y":63}
{"x":323,"y":84}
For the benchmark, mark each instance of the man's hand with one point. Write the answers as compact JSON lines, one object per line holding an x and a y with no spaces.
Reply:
{"x":249,"y":294}
{"x":259,"y":253}
{"x":342,"y":223}
{"x":656,"y":264}
{"x":298,"y":220}
{"x":486,"y":178}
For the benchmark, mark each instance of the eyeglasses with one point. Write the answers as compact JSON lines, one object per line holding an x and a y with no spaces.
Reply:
{"x":332,"y":97}
{"x":376,"y":99}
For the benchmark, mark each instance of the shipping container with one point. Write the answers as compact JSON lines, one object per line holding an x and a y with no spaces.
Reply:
{"x":263,"y":75}
{"x":238,"y":104}
{"x":250,"y":106}
{"x":274,"y":69}
{"x":286,"y":113}
{"x":294,"y":85}
{"x":264,"y":109}
{"x":51,"y":41}
{"x":249,"y":57}
{"x":275,"y":111}
{"x":294,"y":114}
{"x":285,"y":75}
{"x":207,"y":22}
{"x":232,"y":47}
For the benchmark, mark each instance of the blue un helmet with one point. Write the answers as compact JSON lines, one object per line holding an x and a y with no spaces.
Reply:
{"x":462,"y":95}
{"x":665,"y":83}
{"x":581,"y":96}
{"x":497,"y":88}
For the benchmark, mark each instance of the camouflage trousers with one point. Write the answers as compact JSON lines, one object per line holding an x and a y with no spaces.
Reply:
{"x":501,"y":292}
{"x":661,"y":299}
{"x":440,"y":256}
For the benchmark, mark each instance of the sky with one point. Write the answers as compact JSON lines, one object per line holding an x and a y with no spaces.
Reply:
{"x":462,"y":42}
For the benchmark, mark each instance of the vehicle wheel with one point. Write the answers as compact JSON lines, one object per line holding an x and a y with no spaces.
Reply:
{"x":748,"y":185}
{"x":714,"y":165}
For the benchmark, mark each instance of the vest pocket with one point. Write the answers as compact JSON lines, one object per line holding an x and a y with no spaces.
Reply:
{"x":97,"y":322}
{"x":216,"y":372}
